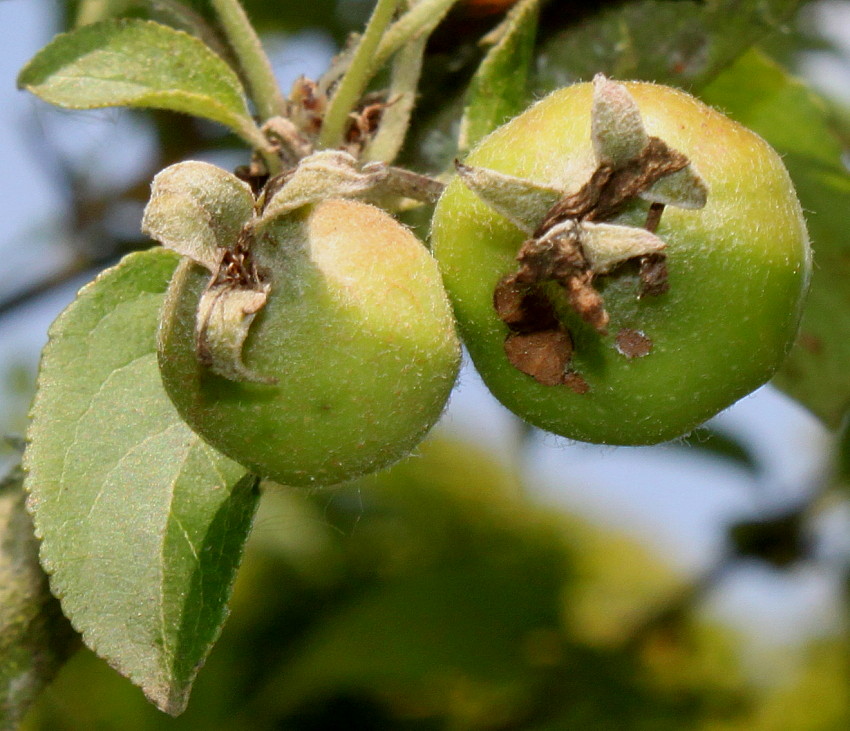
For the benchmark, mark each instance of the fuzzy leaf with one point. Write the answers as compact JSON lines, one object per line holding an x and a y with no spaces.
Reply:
{"x":225,"y":314}
{"x":498,"y":91}
{"x":615,"y":122}
{"x":35,"y":639}
{"x":684,"y":188}
{"x":605,"y":245}
{"x":523,"y":202}
{"x":142,"y":523}
{"x":197,"y":210}
{"x":325,"y":174}
{"x":137,"y":63}
{"x":795,"y":121}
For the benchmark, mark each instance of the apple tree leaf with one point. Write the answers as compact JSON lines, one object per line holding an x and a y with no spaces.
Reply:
{"x":499,"y":88}
{"x":142,"y":523}
{"x":680,"y":42}
{"x":138,"y":63}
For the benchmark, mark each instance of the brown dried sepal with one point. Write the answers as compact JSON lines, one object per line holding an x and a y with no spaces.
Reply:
{"x":586,"y":301}
{"x":237,"y":267}
{"x":653,"y":275}
{"x":609,"y":188}
{"x":306,"y":105}
{"x":363,"y":123}
{"x":653,"y":217}
{"x":558,"y":256}
{"x":544,"y":355}
{"x":523,"y":308}
{"x":554,"y":256}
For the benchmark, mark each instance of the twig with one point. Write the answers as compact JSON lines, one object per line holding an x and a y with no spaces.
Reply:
{"x":358,"y":74}
{"x":252,"y":58}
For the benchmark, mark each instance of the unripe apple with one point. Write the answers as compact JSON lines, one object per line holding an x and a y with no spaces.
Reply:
{"x":622,"y":351}
{"x":355,"y":344}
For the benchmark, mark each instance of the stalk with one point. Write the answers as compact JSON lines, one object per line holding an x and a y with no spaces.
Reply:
{"x":253,"y":61}
{"x":358,"y":74}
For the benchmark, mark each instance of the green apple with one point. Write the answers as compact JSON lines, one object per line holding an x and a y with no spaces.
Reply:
{"x":347,"y":364}
{"x":619,"y":354}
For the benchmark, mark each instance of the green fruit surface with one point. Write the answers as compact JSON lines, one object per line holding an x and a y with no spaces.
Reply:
{"x":738,"y":273}
{"x":358,"y":331}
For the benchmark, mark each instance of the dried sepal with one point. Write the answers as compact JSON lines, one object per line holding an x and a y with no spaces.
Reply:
{"x":225,"y":313}
{"x":554,"y":256}
{"x":523,"y":202}
{"x":523,"y":308}
{"x":586,"y":301}
{"x":197,"y":210}
{"x":653,"y":275}
{"x":662,"y":174}
{"x":306,"y":104}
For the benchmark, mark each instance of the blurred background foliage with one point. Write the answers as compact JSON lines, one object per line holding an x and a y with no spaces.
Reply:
{"x":452,"y":592}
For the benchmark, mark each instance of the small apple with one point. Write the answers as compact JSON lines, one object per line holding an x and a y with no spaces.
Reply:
{"x":624,"y":261}
{"x":323,"y":347}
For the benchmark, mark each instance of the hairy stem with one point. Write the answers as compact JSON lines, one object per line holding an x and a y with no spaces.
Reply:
{"x":253,"y":61}
{"x":92,"y":11}
{"x":358,"y":74}
{"x":420,"y":20}
{"x":395,"y":120}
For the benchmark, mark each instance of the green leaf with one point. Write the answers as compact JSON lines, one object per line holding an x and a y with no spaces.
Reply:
{"x":197,"y":210}
{"x":681,"y":42}
{"x":35,"y":639}
{"x":138,"y":63}
{"x":795,"y":121}
{"x":142,"y":523}
{"x":499,"y":89}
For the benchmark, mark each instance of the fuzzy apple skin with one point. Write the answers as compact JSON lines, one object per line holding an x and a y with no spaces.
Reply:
{"x":738,"y":272}
{"x":357,"y":330}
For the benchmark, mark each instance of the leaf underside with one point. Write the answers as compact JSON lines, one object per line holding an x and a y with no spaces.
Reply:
{"x":142,"y":523}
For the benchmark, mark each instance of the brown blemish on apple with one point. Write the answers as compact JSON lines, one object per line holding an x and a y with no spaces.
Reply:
{"x":523,"y":308}
{"x":576,"y":382}
{"x":633,"y":343}
{"x":543,"y":355}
